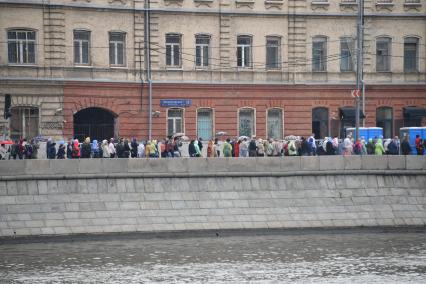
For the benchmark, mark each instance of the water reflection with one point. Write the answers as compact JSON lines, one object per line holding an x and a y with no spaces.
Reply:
{"x":358,"y":257}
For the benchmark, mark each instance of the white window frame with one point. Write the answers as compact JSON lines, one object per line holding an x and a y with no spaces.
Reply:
{"x":388,"y":56}
{"x":182,"y":110}
{"x":282,"y":121}
{"x":242,"y":48}
{"x":278,"y":46}
{"x":21,"y":46}
{"x":202,"y":47}
{"x":172,"y":50}
{"x":22,"y":110}
{"x":416,"y":40}
{"x":323,"y":59}
{"x":350,"y":47}
{"x":115,"y":44}
{"x":254,"y":120}
{"x":80,"y":47}
{"x":211,"y":110}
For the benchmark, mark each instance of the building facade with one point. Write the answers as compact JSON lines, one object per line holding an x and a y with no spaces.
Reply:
{"x":270,"y":68}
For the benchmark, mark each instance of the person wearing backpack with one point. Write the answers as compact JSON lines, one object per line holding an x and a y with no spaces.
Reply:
{"x":28,"y":150}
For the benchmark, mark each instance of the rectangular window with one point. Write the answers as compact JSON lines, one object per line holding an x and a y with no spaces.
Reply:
{"x":202,"y":43}
{"x":173,"y":47}
{"x":275,"y":124}
{"x":319,"y":54}
{"x":24,"y":123}
{"x":411,"y":54}
{"x":273,"y":53}
{"x":174,"y":121}
{"x":246,"y":127}
{"x":117,"y":48}
{"x":244,"y":51}
{"x":346,"y":48}
{"x":21,"y":46}
{"x":383,"y":54}
{"x":205,"y":124}
{"x":81,"y":47}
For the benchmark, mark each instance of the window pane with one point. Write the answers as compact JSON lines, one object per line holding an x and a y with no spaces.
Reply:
{"x":85,"y":52}
{"x":24,"y":123}
{"x":205,"y":56}
{"x":410,"y":56}
{"x":22,"y":35}
{"x":12,"y":52}
{"x":176,"y":55}
{"x":31,"y":52}
{"x":383,"y":55}
{"x":384,"y":119}
{"x":24,"y":52}
{"x":116,"y":37}
{"x":76,"y":52}
{"x":244,"y":40}
{"x":198,"y":55}
{"x":205,"y":124}
{"x":82,"y":35}
{"x":246,"y":122}
{"x":272,"y":57}
{"x":320,"y":122}
{"x":319,"y":55}
{"x":168,"y":55}
{"x":172,"y":38}
{"x":11,"y":35}
{"x":170,"y":127}
{"x":345,"y":55}
{"x":120,"y":54}
{"x":112,"y":53}
{"x":275,"y":124}
{"x":202,"y":40}
{"x":31,"y":35}
{"x":247,"y":56}
{"x":239,"y":56}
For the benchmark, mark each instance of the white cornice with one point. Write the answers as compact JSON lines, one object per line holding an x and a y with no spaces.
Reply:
{"x":89,"y":5}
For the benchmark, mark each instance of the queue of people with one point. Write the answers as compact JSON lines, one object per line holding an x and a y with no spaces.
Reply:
{"x":238,"y":147}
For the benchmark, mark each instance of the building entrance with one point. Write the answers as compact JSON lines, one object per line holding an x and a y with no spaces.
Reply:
{"x":96,"y":123}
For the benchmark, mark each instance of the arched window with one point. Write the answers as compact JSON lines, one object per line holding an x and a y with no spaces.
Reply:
{"x":246,"y":122}
{"x":275,"y":123}
{"x":174,"y":121}
{"x":384,"y":119}
{"x":320,"y":122}
{"x":205,"y":123}
{"x":24,"y":122}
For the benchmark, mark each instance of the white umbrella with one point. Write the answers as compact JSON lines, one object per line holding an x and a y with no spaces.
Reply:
{"x":221,"y":133}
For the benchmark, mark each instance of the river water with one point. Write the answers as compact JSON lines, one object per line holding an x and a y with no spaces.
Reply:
{"x":280,"y":257}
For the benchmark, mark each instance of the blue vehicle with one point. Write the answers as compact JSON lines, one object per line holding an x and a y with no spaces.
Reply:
{"x":366,"y":132}
{"x":412,"y":132}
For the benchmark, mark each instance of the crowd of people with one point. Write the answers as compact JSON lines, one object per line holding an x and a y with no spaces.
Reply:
{"x":237,"y":147}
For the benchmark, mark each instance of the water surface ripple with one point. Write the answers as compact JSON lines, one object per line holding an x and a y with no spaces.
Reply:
{"x":358,"y":257}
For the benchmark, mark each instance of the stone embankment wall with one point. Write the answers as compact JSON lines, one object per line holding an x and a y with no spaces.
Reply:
{"x":42,"y":197}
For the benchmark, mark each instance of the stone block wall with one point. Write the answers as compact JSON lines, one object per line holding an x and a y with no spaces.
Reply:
{"x":43,"y":197}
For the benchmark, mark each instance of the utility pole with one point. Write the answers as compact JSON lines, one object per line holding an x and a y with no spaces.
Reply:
{"x":147,"y":46}
{"x":359,"y":62}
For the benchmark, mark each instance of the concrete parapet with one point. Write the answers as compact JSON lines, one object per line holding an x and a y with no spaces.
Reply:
{"x":374,"y":162}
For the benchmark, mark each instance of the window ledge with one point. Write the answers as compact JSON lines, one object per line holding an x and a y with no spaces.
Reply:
{"x":385,"y":4}
{"x":384,"y":72}
{"x":319,"y":72}
{"x":118,"y":67}
{"x":21,"y":65}
{"x":347,"y":71}
{"x":320,"y":3}
{"x":413,"y":4}
{"x":83,"y":66}
{"x":276,"y":70}
{"x":348,"y":3}
{"x":171,"y":68}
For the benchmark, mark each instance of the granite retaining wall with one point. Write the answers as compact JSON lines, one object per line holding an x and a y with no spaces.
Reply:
{"x":54,"y":197}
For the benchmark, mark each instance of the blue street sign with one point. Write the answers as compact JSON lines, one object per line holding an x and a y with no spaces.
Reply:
{"x":176,"y":103}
